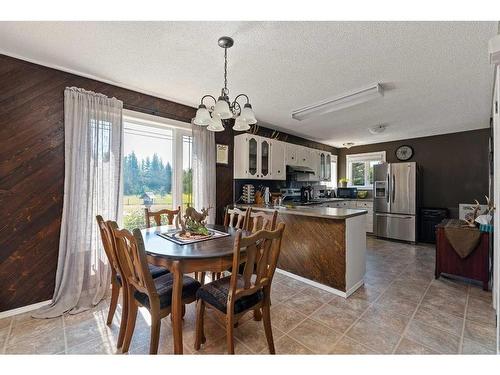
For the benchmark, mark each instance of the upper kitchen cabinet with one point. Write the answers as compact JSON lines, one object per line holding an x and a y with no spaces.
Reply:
{"x":325,"y":166}
{"x":278,"y":166}
{"x":258,"y":157}
{"x":291,"y":154}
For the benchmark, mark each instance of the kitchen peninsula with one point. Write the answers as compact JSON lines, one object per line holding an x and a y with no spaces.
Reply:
{"x":322,"y":246}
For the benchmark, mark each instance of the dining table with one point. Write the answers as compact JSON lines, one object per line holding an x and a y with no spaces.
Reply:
{"x":210,"y":255}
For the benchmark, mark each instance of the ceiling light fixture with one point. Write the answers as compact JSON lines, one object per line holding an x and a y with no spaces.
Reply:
{"x":348,"y":145}
{"x":340,"y":102}
{"x":377,"y":129}
{"x":223,"y":109}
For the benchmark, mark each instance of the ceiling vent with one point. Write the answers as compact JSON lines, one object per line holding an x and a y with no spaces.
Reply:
{"x":377,"y":129}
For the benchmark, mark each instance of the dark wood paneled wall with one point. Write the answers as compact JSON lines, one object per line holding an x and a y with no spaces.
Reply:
{"x":454,"y":166}
{"x":32,"y":171}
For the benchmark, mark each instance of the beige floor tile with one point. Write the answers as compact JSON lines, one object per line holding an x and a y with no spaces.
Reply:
{"x":4,"y":333}
{"x":480,"y":310}
{"x":285,"y":318}
{"x":219,"y":346}
{"x":377,"y":338}
{"x":352,"y":305}
{"x":5,"y":323}
{"x":432,"y":337}
{"x":315,"y":336}
{"x":318,"y":293}
{"x":294,"y":284}
{"x":252,"y":335}
{"x":348,"y":346}
{"x":407,"y":346}
{"x":478,"y":292}
{"x":449,"y":304}
{"x":440,"y":319}
{"x":412,"y":294}
{"x":95,"y":346}
{"x":48,"y":341}
{"x":287,"y":345}
{"x":304,"y":303}
{"x":472,"y":347}
{"x":481,"y":333}
{"x":379,"y":316}
{"x":281,"y":292}
{"x":333,"y":317}
{"x":396,"y":305}
{"x":85,"y":331}
{"x":366,"y":293}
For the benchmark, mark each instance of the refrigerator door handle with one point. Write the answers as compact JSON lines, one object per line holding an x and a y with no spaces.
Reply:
{"x":393,"y":188}
{"x":395,"y":215}
{"x":387,"y":191}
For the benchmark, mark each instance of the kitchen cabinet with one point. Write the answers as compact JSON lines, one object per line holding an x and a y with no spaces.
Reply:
{"x":325,"y":166}
{"x":278,"y":166}
{"x":262,"y":158}
{"x":258,"y":157}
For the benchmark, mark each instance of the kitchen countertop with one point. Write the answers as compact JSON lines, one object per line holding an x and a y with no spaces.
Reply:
{"x":313,"y":211}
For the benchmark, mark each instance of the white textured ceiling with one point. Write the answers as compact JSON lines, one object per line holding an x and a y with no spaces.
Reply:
{"x":436,"y":74}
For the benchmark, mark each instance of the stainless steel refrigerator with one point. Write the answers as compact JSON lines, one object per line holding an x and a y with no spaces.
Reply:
{"x":395,"y":200}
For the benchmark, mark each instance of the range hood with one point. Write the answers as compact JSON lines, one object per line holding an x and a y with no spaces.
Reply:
{"x":292,"y":169}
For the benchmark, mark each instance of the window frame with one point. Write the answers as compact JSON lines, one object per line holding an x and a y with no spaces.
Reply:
{"x":365,"y":158}
{"x":179,"y":129}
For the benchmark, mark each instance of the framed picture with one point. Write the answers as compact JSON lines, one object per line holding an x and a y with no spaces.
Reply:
{"x":222,"y":154}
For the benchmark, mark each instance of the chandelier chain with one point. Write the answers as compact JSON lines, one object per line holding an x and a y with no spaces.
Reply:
{"x":225,"y":70}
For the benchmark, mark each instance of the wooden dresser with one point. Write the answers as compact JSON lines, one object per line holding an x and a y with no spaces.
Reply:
{"x":475,"y":266}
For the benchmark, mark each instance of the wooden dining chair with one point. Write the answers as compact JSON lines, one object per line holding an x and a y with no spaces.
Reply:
{"x":235,"y":217}
{"x":258,"y":220}
{"x":143,"y":290}
{"x":235,"y":295}
{"x":117,"y":281}
{"x":156,"y":215}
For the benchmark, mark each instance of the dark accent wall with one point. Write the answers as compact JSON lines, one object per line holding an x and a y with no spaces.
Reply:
{"x":32,"y":171}
{"x":454,"y":166}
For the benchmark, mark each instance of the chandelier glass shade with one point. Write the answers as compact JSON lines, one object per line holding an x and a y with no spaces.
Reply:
{"x":223,"y":109}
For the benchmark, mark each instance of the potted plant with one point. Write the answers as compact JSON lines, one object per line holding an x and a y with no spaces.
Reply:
{"x":343,"y":182}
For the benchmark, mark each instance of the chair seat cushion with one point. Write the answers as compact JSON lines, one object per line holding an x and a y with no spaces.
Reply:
{"x":164,"y":286}
{"x":156,"y":271}
{"x":216,"y":293}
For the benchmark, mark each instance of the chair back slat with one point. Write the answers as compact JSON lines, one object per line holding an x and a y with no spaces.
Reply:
{"x":157,"y":215}
{"x":236,"y":218}
{"x":258,"y":220}
{"x":108,"y":244}
{"x":262,"y":251}
{"x":132,"y":258}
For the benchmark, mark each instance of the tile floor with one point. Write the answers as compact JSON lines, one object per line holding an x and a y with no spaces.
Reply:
{"x":401,"y":310}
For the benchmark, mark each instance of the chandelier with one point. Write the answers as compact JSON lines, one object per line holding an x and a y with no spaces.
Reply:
{"x":223,"y":108}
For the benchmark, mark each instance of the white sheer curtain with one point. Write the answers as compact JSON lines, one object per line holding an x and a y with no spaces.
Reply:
{"x":93,"y":132}
{"x":204,"y":170}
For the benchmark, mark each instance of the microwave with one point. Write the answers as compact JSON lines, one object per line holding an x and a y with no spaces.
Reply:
{"x":347,"y":193}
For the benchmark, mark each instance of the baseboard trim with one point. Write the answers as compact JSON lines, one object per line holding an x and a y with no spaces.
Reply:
{"x":356,"y":286}
{"x":24,"y":309}
{"x":318,"y":285}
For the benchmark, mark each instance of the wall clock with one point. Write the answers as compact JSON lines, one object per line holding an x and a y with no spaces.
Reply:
{"x":404,"y":152}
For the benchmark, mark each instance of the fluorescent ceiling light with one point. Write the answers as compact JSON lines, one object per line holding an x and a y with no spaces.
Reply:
{"x":339,"y":102}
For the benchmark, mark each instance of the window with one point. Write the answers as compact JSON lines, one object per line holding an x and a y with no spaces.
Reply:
{"x":332,"y":184}
{"x":360,"y":168}
{"x":156,"y":167}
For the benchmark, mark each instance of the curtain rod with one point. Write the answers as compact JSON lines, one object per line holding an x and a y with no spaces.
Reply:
{"x":156,"y":113}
